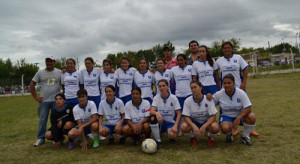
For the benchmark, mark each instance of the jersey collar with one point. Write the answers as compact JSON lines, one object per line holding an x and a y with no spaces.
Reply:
{"x":229,"y":95}
{"x":143,"y":73}
{"x":90,"y":71}
{"x":229,"y":57}
{"x":161,"y":73}
{"x":65,"y":106}
{"x":165,"y":100}
{"x":199,"y":103}
{"x":71,"y":72}
{"x":110,"y":104}
{"x":182,"y":67}
{"x":138,"y":106}
{"x":83,"y":108}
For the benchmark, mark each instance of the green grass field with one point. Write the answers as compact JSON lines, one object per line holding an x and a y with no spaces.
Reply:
{"x":276,"y":103}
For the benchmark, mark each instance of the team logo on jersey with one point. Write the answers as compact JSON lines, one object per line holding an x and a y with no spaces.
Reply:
{"x":171,"y":104}
{"x":190,"y":70}
{"x":68,"y":110}
{"x":94,"y":75}
{"x":143,"y":110}
{"x":75,"y":76}
{"x":149,"y":77}
{"x":112,"y":77}
{"x":235,"y":61}
{"x":238,"y":100}
{"x":130,"y":74}
{"x":206,"y":105}
{"x":89,"y":109}
{"x":166,"y":75}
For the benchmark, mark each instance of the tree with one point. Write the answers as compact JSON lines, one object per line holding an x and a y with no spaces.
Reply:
{"x":26,"y":69}
{"x":216,"y":46}
{"x":61,"y":63}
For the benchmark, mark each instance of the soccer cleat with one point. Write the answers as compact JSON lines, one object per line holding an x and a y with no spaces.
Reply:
{"x":180,"y":134}
{"x":158,"y":144}
{"x":71,"y":145}
{"x":39,"y":142}
{"x":193,"y":141}
{"x":229,"y":138}
{"x":210,"y":142}
{"x":96,"y":144}
{"x":111,"y":141}
{"x":137,"y":140}
{"x":246,"y":141}
{"x":102,"y":138}
{"x":122,"y":141}
{"x":254,"y":133}
{"x":236,"y":132}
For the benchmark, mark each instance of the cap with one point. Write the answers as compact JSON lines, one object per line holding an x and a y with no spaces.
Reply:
{"x":167,"y":48}
{"x":50,"y":57}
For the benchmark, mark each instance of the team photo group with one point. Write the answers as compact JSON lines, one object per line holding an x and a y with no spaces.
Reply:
{"x":176,"y":98}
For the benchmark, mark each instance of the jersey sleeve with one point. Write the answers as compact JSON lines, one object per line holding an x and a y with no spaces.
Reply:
{"x":76,"y":113}
{"x":243,"y":63}
{"x":148,"y":106}
{"x":121,"y":107}
{"x":127,"y":112}
{"x":176,"y":104}
{"x":215,"y":66}
{"x":93,"y":108}
{"x":62,"y":77}
{"x":155,"y":101}
{"x":101,"y":109}
{"x":245,"y":99}
{"x":216,"y":97}
{"x":212,"y":110}
{"x":186,"y":109}
{"x":194,"y":69}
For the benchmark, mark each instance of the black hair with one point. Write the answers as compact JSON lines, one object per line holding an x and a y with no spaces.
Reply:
{"x":107,"y":61}
{"x":161,"y":60}
{"x":229,"y":76}
{"x":208,"y":56}
{"x":198,"y":83}
{"x":137,"y":89}
{"x":90,"y":59}
{"x":227,"y":43}
{"x":61,"y":95}
{"x":111,"y":87}
{"x":193,"y":41}
{"x":82,"y":92}
{"x":163,"y":80}
{"x":71,"y":60}
{"x":126,"y":58}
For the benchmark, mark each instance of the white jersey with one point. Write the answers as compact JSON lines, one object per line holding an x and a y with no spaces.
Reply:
{"x":84,"y":113}
{"x":91,"y":81}
{"x":232,"y":106}
{"x":167,"y":75}
{"x":125,"y":79}
{"x":205,"y":72}
{"x":166,"y":107}
{"x":137,"y":113}
{"x":112,"y":111}
{"x":183,"y":78}
{"x":105,"y":80}
{"x":145,"y":82}
{"x":233,"y":65}
{"x":71,"y":82}
{"x":199,"y":111}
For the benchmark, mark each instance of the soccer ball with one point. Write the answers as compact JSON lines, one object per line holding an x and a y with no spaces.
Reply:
{"x":149,"y":146}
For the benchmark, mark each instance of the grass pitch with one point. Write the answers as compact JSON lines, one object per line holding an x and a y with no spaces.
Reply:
{"x":276,"y":103}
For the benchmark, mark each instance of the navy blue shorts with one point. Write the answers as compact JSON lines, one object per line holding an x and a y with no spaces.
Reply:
{"x":111,"y":128}
{"x":87,"y":130}
{"x":229,"y":119}
{"x":148,"y":99}
{"x":125,"y":99}
{"x":95,"y":99}
{"x":197,"y":123}
{"x":73,"y":101}
{"x":165,"y":126}
{"x":212,"y":89}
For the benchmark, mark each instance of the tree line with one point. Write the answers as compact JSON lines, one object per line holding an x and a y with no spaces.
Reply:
{"x":11,"y":73}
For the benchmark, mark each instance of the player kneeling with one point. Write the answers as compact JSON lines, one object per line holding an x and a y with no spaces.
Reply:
{"x":113,"y":110}
{"x":137,"y":112}
{"x":85,"y":114}
{"x":164,"y":107}
{"x":199,"y":115}
{"x":62,"y":121}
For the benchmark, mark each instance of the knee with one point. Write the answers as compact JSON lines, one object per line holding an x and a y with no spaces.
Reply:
{"x":184,"y":127}
{"x":172,"y":135}
{"x":250,"y":119}
{"x":126,"y":130}
{"x":118,"y":130}
{"x":71,"y":134}
{"x":214,"y":128}
{"x":94,"y":126}
{"x":226,"y":128}
{"x":48,"y":135}
{"x":146,"y":127}
{"x":68,"y":125}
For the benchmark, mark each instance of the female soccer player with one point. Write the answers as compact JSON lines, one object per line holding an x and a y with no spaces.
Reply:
{"x":62,"y":121}
{"x":107,"y":78}
{"x":85,"y":115}
{"x":235,"y":110}
{"x":125,"y":76}
{"x":91,"y":80}
{"x":199,"y":115}
{"x":235,"y":65}
{"x":144,"y":79}
{"x":137,"y":114}
{"x":71,"y":82}
{"x":161,"y":73}
{"x":205,"y":71}
{"x":113,"y":110}
{"x":182,"y":75}
{"x":162,"y":112}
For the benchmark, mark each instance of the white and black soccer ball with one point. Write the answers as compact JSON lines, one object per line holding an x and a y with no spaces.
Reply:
{"x":149,"y":146}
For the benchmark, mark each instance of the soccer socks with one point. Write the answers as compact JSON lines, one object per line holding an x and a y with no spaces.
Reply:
{"x":190,"y":134}
{"x":95,"y":135}
{"x":155,"y":131}
{"x":211,"y":135}
{"x":247,"y":130}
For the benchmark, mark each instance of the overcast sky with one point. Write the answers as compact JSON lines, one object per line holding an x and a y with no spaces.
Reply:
{"x":33,"y":29}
